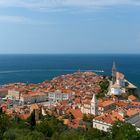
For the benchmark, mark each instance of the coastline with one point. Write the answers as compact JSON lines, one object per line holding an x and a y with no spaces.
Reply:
{"x":35,"y":68}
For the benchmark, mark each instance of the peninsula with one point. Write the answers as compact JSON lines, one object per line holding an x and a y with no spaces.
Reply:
{"x":79,"y":100}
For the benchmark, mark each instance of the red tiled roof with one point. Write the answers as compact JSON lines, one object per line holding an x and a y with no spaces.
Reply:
{"x":76,"y":113}
{"x":74,"y":123}
{"x":105,"y":103}
{"x":24,"y":116}
{"x":119,"y":76}
{"x":31,"y":94}
{"x":132,"y":98}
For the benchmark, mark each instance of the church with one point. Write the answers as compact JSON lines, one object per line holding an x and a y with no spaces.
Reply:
{"x":89,"y":106}
{"x":119,"y":84}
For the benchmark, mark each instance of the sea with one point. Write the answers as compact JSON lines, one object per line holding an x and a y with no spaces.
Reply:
{"x":35,"y":68}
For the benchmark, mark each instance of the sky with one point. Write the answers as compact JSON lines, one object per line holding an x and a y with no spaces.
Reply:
{"x":69,"y":26}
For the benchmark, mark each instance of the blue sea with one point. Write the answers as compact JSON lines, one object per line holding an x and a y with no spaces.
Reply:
{"x":37,"y":68}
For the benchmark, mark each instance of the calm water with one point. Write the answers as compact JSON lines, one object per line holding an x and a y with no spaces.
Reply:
{"x":37,"y":68}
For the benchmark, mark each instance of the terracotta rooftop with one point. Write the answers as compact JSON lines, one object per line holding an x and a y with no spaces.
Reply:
{"x":105,"y":103}
{"x":34,"y":106}
{"x":31,"y":94}
{"x":24,"y":116}
{"x":116,"y":86}
{"x":119,"y":76}
{"x":132,"y":98}
{"x":117,"y":115}
{"x":76,"y":113}
{"x":122,"y":103}
{"x":74,"y":123}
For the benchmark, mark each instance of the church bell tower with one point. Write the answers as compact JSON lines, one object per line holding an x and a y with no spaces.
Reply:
{"x":94,"y":107}
{"x":114,"y":70}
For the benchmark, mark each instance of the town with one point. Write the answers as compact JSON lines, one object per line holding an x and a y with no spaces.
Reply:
{"x":80,"y":100}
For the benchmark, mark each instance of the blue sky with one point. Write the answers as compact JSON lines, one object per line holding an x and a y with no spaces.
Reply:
{"x":69,"y":26}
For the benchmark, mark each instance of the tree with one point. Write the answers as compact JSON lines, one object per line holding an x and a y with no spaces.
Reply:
{"x":71,"y":116}
{"x":4,"y":124}
{"x":88,"y":118}
{"x":85,"y":118}
{"x":10,"y":135}
{"x":104,"y":85}
{"x":34,"y":135}
{"x":124,"y":131}
{"x":95,"y":134}
{"x":104,"y":88}
{"x":69,"y":135}
{"x":50,"y":125}
{"x":45,"y":128}
{"x":32,"y":120}
{"x":23,"y":134}
{"x":1,"y":110}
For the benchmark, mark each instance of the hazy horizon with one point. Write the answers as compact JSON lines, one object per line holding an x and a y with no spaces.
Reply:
{"x":69,"y":53}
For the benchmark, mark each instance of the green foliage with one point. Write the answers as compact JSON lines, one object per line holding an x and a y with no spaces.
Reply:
{"x":71,"y":117}
{"x":51,"y":128}
{"x":50,"y":125}
{"x":88,"y":118}
{"x":1,"y":111}
{"x":31,"y":120}
{"x":96,"y":134}
{"x":75,"y":134}
{"x":4,"y":124}
{"x":124,"y":131}
{"x":85,"y":118}
{"x":33,"y":135}
{"x":10,"y":135}
{"x":104,"y":88}
{"x":68,"y":135}
{"x":21,"y":134}
{"x":45,"y":128}
{"x":19,"y":123}
{"x":104,"y":85}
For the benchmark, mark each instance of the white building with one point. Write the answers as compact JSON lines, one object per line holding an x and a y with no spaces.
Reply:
{"x":101,"y":125}
{"x":117,"y":86}
{"x":59,"y":95}
{"x":94,"y":107}
{"x":90,"y":106}
{"x":13,"y":93}
{"x":117,"y":90}
{"x":104,"y":122}
{"x":32,"y":97}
